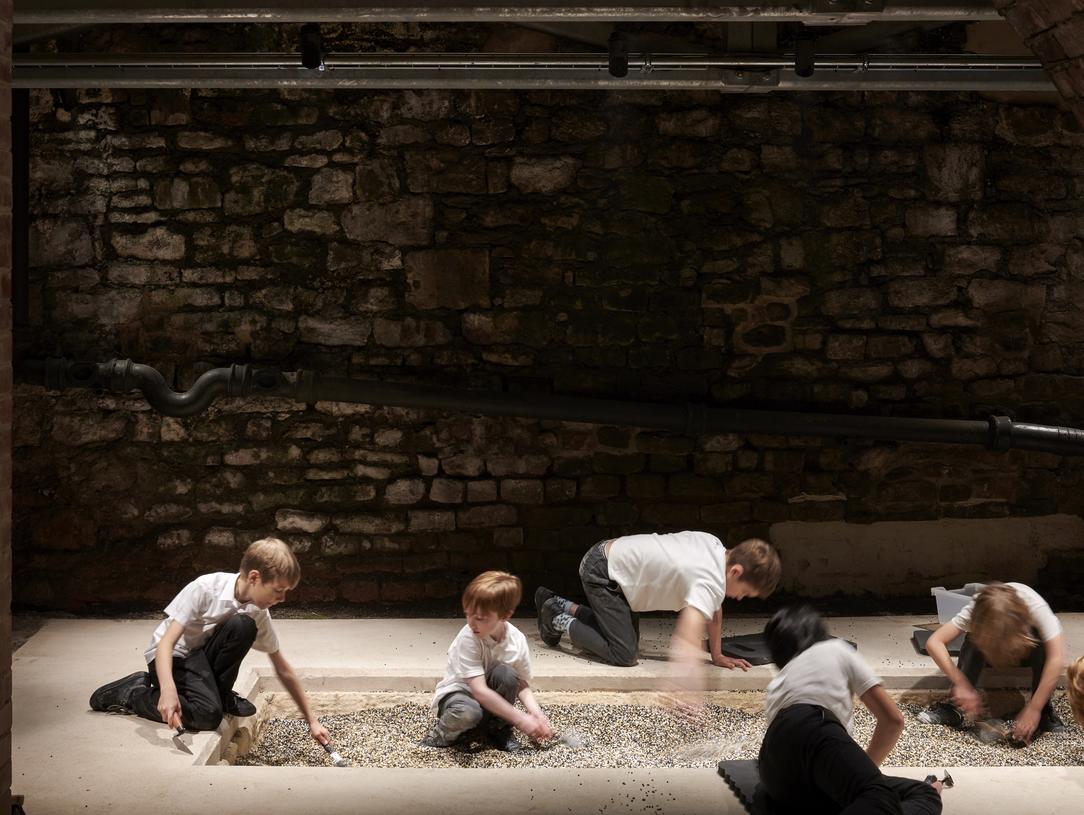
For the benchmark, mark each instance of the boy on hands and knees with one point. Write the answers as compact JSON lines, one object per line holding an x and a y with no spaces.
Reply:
{"x":1007,"y":624}
{"x":688,"y":572}
{"x":489,"y":667}
{"x":195,"y":653}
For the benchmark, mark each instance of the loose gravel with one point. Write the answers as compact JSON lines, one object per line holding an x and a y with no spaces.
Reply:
{"x":628,"y":736}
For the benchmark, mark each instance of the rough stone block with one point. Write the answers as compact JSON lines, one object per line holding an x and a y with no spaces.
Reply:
{"x":369,"y":524}
{"x":446,"y":491}
{"x":60,"y":242}
{"x":924,"y":220}
{"x":404,"y":222}
{"x":448,"y":278}
{"x":405,"y":491}
{"x":343,"y":331}
{"x":295,"y":520}
{"x":157,"y":243}
{"x":543,"y":175}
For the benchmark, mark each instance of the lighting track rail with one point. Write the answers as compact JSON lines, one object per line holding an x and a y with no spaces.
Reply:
{"x":729,"y":72}
{"x":811,"y":12}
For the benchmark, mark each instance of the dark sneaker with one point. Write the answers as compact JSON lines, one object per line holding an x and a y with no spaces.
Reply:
{"x":541,"y":595}
{"x":1051,"y":722}
{"x":546,"y":630}
{"x":238,"y":706}
{"x":943,"y":713}
{"x":434,"y":739}
{"x":115,"y":697}
{"x":505,"y":741}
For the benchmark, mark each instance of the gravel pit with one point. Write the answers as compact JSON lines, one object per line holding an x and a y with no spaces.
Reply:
{"x":617,"y":730}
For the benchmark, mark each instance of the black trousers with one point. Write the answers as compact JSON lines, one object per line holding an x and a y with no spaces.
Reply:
{"x":809,"y":764}
{"x":605,"y":625}
{"x":972,"y":661}
{"x":204,"y":678}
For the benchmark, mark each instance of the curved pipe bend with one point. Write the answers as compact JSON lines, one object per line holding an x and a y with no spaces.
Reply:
{"x":123,"y":375}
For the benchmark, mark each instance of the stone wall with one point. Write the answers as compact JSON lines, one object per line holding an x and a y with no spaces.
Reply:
{"x":887,"y":254}
{"x":1054,"y":31}
{"x":5,"y":405}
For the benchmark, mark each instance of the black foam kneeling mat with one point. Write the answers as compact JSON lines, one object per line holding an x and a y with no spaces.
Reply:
{"x":743,"y":778}
{"x":921,"y":635}
{"x":752,"y":648}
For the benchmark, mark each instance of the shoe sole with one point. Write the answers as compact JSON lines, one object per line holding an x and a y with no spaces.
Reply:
{"x":552,"y":640}
{"x":541,"y":595}
{"x":96,"y":702}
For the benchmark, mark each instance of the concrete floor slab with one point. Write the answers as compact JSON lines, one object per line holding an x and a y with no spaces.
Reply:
{"x":69,"y":759}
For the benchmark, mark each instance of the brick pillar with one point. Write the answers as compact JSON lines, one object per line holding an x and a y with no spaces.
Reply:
{"x":1054,"y":31}
{"x":5,"y":405}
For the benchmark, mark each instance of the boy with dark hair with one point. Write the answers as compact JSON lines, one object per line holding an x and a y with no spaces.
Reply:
{"x":488,"y":668}
{"x":688,"y":572}
{"x":195,"y":653}
{"x":1007,"y":624}
{"x":809,"y":760}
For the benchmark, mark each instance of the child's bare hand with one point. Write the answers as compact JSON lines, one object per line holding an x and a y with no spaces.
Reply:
{"x":685,"y":707}
{"x":967,"y":699}
{"x":534,"y":729}
{"x":169,"y":708}
{"x":319,"y":732}
{"x":1025,"y":725}
{"x":730,"y":662}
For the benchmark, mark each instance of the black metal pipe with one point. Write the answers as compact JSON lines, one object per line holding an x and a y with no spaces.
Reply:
{"x":122,"y":376}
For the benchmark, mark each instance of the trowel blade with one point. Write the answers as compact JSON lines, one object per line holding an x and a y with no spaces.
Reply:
{"x":178,"y":742}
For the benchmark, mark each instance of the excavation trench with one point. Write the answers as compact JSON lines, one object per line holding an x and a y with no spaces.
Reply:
{"x":609,"y":729}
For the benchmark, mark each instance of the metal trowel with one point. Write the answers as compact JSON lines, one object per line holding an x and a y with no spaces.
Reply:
{"x":336,"y":759}
{"x":178,"y":742}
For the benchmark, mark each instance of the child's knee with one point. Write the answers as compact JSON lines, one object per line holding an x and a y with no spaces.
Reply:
{"x":461,"y":714}
{"x":203,"y":718}
{"x":240,"y":626}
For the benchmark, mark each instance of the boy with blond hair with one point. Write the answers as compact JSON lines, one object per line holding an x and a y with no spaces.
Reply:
{"x":688,"y":572}
{"x":1007,"y":624}
{"x":488,"y":668}
{"x":195,"y":653}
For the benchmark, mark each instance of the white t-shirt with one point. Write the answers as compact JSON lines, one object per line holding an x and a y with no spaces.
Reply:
{"x":829,"y":674}
{"x":204,"y":604}
{"x":669,"y":572}
{"x":1041,"y":616}
{"x":470,"y":656}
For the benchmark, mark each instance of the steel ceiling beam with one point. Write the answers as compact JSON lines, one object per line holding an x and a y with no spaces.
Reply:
{"x":816,"y":12}
{"x":727,"y":73}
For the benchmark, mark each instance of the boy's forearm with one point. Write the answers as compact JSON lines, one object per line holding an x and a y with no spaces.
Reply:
{"x":1048,"y":680}
{"x":163,"y":666}
{"x":940,"y":655}
{"x":497,"y":705}
{"x":292,"y":684}
{"x":715,"y":634}
{"x":526,"y":695}
{"x":885,"y":736}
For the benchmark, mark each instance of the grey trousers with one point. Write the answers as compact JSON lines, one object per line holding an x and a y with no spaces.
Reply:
{"x":459,"y":712}
{"x":605,"y":625}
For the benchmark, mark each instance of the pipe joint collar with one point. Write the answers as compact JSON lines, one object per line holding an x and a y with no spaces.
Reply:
{"x":1000,"y":433}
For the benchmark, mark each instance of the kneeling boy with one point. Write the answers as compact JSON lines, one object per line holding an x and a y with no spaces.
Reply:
{"x":1007,"y":624}
{"x":196,"y":652}
{"x":489,"y":667}
{"x":687,"y":572}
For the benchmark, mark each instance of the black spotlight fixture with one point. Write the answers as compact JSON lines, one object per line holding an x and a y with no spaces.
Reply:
{"x":804,"y":56}
{"x":619,"y":54}
{"x":312,"y":49}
